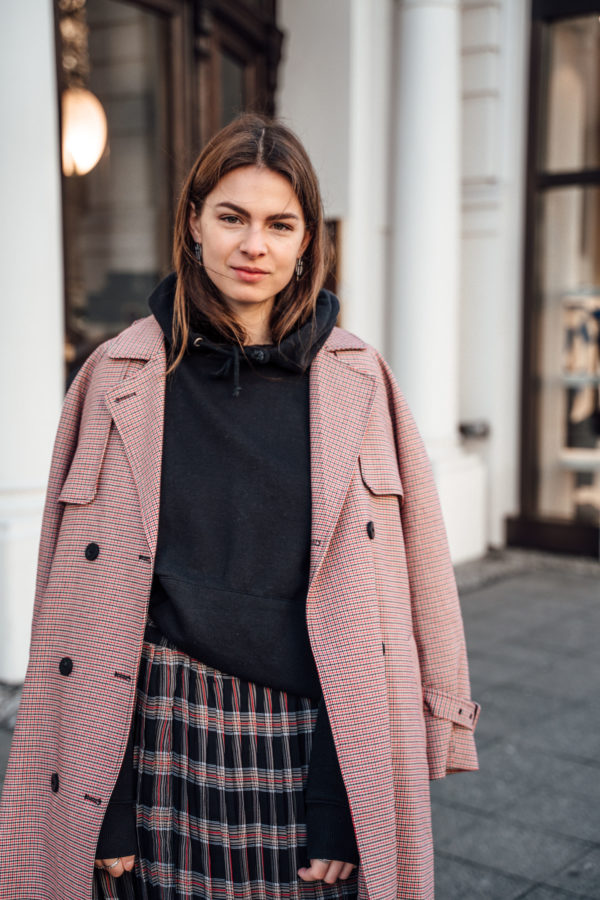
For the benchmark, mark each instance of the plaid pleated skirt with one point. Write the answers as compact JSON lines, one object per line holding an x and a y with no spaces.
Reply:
{"x":221,"y":764}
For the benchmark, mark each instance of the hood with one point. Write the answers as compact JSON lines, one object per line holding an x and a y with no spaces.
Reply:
{"x":295,"y":352}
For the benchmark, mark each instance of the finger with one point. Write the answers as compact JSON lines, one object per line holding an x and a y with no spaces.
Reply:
{"x":334,"y":869}
{"x":117,"y":870}
{"x":347,"y":870}
{"x":128,"y":862}
{"x":315,"y":872}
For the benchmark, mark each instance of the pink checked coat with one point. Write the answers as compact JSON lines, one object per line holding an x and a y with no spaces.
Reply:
{"x":382,"y":613}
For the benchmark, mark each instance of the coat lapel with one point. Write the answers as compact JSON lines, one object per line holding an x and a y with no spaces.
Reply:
{"x":137,"y":408}
{"x":341,"y":399}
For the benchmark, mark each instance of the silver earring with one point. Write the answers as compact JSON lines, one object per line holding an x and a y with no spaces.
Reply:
{"x":299,"y":268}
{"x":198,"y":251}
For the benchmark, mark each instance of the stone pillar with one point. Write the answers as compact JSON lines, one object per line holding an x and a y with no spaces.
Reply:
{"x":31,"y":338}
{"x":424,"y":350}
{"x":365,"y":229}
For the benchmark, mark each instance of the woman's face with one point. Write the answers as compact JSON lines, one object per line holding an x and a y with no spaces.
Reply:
{"x":252,"y":231}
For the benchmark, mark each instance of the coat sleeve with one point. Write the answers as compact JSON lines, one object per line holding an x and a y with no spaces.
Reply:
{"x":450,"y":714}
{"x":65,"y":444}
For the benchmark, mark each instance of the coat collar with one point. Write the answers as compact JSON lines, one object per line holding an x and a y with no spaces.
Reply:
{"x":142,"y":340}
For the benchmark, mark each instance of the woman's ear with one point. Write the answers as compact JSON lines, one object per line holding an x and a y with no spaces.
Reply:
{"x":194,"y":224}
{"x":305,"y":242}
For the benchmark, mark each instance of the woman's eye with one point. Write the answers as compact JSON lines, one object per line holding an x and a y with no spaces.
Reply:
{"x":230,"y":220}
{"x":281,"y":226}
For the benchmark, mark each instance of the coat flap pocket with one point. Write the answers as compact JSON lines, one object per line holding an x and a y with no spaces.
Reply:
{"x":446,"y":706}
{"x":81,"y":483}
{"x":380,"y":477}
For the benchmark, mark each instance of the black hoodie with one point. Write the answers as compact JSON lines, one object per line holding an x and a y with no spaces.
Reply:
{"x":233,"y":550}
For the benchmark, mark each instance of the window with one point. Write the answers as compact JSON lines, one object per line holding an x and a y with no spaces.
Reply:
{"x":561,"y":399}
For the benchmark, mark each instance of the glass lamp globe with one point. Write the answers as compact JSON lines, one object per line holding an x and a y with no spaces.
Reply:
{"x":84,"y":131}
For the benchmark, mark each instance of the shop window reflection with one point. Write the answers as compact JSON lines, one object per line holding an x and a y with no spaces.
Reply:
{"x":567,"y":274}
{"x":569,"y":375}
{"x":117,"y":216}
{"x":571,"y":125}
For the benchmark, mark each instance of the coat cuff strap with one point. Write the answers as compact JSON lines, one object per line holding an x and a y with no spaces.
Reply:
{"x":446,"y":706}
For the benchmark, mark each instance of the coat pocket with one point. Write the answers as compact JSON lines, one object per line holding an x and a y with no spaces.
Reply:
{"x":379,"y":477}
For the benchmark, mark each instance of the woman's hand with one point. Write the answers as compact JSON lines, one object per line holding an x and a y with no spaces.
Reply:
{"x":124,"y":864}
{"x":326,"y":870}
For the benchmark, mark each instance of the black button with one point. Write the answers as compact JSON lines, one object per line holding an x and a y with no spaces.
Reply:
{"x":259,"y":355}
{"x":66,"y":665}
{"x":92,"y":551}
{"x":54,"y":782}
{"x":371,"y":530}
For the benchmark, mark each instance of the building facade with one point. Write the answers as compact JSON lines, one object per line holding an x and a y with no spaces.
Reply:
{"x":456,"y":145}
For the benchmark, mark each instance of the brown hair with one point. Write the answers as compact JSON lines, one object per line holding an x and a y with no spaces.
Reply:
{"x":250,"y":140}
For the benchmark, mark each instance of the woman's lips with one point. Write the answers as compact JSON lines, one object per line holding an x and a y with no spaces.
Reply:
{"x":250,"y":275}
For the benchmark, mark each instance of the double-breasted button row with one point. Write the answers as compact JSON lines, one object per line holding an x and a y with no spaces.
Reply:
{"x":371,"y":530}
{"x":91,"y":551}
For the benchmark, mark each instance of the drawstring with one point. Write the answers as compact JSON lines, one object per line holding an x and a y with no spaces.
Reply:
{"x":232,"y":354}
{"x":236,"y":371}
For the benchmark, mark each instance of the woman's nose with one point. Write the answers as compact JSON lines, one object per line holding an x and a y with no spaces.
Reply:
{"x":253,"y":243}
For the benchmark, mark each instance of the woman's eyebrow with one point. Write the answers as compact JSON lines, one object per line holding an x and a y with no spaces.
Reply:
{"x":244,"y":212}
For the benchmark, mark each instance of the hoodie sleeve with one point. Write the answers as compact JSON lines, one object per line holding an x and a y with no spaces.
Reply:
{"x":118,"y":833}
{"x":330,"y":831}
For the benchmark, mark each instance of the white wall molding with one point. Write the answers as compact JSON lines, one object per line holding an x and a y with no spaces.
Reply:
{"x":492,"y":240}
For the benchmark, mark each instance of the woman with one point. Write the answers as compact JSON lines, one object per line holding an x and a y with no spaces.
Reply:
{"x":247,"y":653}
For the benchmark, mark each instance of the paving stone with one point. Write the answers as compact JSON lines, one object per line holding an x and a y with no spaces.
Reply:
{"x":457,"y":880}
{"x":486,"y":633}
{"x":567,"y":677}
{"x":484,"y":790}
{"x":543,"y":892}
{"x":572,"y":734}
{"x":583,"y":875}
{"x":448,"y":822}
{"x":505,"y":663}
{"x":574,"y":633}
{"x":558,"y":811}
{"x":512,"y":848}
{"x":519,"y":708}
{"x":521,"y":763}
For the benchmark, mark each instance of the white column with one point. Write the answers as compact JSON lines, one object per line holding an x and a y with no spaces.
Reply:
{"x":31,"y":339}
{"x":365,"y":229}
{"x":425,"y":255}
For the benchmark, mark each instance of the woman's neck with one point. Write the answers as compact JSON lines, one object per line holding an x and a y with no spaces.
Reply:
{"x":254,"y":319}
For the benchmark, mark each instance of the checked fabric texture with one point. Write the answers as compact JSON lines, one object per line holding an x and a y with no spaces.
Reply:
{"x":221,"y":767}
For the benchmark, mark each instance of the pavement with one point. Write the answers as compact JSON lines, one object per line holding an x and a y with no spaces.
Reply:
{"x":527,"y":825}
